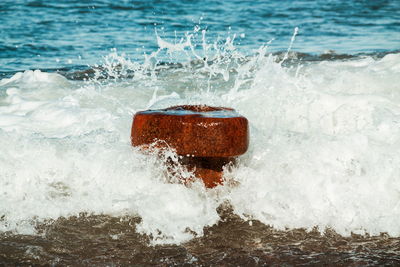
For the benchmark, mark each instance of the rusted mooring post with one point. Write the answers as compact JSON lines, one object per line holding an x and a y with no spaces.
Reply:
{"x":206,"y":137}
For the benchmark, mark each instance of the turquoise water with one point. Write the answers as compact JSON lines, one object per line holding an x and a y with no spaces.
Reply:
{"x":66,"y":34}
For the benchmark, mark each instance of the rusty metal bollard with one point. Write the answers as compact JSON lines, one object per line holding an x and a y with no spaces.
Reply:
{"x":207,"y":138}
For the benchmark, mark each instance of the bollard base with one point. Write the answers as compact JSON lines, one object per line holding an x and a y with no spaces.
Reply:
{"x":211,"y":178}
{"x":208,"y":169}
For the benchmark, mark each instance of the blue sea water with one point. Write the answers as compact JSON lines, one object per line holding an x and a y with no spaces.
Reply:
{"x":39,"y":34}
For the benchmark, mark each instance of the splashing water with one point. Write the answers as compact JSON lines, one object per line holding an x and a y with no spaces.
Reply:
{"x":324,"y":143}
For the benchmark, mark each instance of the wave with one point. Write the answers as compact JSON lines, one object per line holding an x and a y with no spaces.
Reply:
{"x":325,"y":135}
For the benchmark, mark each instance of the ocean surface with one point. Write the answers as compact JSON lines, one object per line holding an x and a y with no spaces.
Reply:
{"x":319,"y":82}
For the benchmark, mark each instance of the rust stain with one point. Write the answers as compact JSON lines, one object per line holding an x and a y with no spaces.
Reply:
{"x":209,"y":136}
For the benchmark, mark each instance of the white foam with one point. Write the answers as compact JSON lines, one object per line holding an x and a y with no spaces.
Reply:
{"x":326,"y":150}
{"x":324,"y":147}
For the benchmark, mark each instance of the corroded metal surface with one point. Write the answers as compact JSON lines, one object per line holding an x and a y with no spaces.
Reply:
{"x":198,"y":131}
{"x":206,"y":138}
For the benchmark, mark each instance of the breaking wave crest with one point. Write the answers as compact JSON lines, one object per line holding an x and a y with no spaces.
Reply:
{"x":325,"y":136}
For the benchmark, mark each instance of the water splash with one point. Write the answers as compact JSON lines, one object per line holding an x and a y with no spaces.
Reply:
{"x":324,"y":142}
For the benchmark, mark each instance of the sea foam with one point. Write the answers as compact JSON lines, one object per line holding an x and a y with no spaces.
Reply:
{"x":323,"y":151}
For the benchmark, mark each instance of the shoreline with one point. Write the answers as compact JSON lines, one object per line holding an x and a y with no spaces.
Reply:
{"x":104,"y":240}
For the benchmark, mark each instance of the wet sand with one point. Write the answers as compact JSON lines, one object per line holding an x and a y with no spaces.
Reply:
{"x":111,"y":241}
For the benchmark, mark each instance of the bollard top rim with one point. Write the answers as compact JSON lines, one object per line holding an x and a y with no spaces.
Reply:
{"x":198,"y":108}
{"x":194,"y":110}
